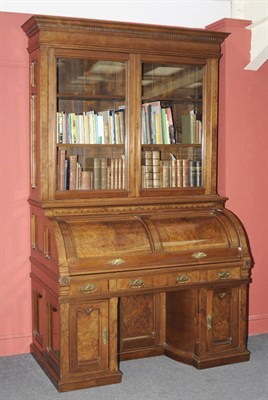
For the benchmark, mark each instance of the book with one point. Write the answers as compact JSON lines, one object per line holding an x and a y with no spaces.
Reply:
{"x":185,"y":173}
{"x":86,"y":131}
{"x":188,"y":128}
{"x":97,"y":173}
{"x":60,"y":127}
{"x":103,"y":173}
{"x":91,"y":126}
{"x":171,"y":127}
{"x":123,"y":171}
{"x":106,"y":126}
{"x":173,"y":171}
{"x":156,"y":122}
{"x":72,"y":171}
{"x":179,"y":173}
{"x":78,"y":175}
{"x":165,"y":127}
{"x":144,"y":127}
{"x":198,"y":173}
{"x":165,"y":174}
{"x":192,"y":173}
{"x":86,"y":180}
{"x":73,"y":128}
{"x":61,"y":169}
{"x":148,"y":170}
{"x":66,"y":174}
{"x":120,"y":113}
{"x":198,"y":131}
{"x":156,"y":168}
{"x":147,"y":111}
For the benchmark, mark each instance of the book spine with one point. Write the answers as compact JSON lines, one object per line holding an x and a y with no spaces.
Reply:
{"x":119,"y":173}
{"x":198,"y":173}
{"x":78,"y":176}
{"x":123,"y":172}
{"x":173,"y":173}
{"x":148,"y":171}
{"x":165,"y":174}
{"x":179,"y":173}
{"x":109,"y":174}
{"x":97,"y":173}
{"x":112,"y":173}
{"x":85,"y":180}
{"x":192,"y":173}
{"x":72,"y":172}
{"x":156,"y":168}
{"x":185,"y":173}
{"x":60,"y":127}
{"x":116,"y":173}
{"x":67,"y":174}
{"x":61,"y":169}
{"x":171,"y":128}
{"x":103,"y":172}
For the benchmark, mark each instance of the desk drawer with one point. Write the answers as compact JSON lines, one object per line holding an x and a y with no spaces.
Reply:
{"x":182,"y":278}
{"x":132,"y":283}
{"x":156,"y":280}
{"x":222,"y":274}
{"x":88,"y":286}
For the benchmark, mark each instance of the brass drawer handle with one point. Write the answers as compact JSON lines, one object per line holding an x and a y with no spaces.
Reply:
{"x":199,"y":255}
{"x":136,"y":283}
{"x":89,"y":288}
{"x":182,"y":279}
{"x":225,"y":275}
{"x":116,"y":261}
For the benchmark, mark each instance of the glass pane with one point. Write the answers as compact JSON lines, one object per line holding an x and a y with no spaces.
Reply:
{"x":91,"y":124}
{"x":88,"y":76}
{"x":171,"y":125}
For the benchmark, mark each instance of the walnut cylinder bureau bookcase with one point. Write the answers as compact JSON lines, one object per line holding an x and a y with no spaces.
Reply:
{"x":133,"y":253}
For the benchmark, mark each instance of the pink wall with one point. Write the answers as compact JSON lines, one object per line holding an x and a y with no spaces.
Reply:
{"x":15,"y":309}
{"x":243,"y":155}
{"x":242,"y":172}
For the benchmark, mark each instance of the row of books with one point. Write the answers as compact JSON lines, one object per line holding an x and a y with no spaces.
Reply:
{"x":157,"y":173}
{"x":100,"y":173}
{"x":158,"y":126}
{"x":104,"y":127}
{"x":108,"y":127}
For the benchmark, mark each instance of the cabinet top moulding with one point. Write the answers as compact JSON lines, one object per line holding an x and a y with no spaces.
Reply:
{"x":122,"y":36}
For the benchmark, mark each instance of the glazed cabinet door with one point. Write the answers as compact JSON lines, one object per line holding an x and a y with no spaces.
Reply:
{"x":173,"y":126}
{"x":91,"y":125}
{"x":89,"y":337}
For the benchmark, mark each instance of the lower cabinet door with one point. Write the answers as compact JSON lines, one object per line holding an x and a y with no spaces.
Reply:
{"x":141,"y":325}
{"x":89,"y":336}
{"x":222,"y":319}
